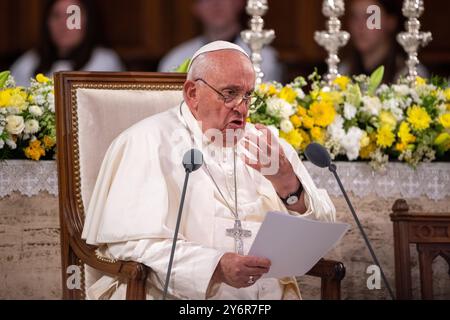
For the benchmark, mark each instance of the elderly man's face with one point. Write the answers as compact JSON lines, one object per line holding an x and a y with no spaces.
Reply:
{"x":232,"y":76}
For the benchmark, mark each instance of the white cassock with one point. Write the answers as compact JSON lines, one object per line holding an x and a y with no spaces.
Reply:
{"x":134,"y":208}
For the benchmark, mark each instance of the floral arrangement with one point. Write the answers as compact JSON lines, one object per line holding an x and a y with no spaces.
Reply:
{"x":358,"y":119}
{"x":27,"y":119}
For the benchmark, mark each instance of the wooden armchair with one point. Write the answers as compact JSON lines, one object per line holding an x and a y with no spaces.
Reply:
{"x":92,"y":109}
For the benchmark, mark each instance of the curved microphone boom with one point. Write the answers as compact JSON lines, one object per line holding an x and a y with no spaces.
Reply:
{"x":192,"y":161}
{"x":320,"y":157}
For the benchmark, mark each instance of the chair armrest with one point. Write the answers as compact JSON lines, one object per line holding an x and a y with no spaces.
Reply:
{"x":328,"y":269}
{"x":331,"y":274}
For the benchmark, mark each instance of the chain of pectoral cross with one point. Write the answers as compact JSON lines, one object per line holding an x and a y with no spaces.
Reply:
{"x":237,"y":232}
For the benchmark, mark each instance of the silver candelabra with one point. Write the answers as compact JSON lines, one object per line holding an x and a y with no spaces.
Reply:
{"x":413,"y":38}
{"x":257,"y":37}
{"x":334,"y":38}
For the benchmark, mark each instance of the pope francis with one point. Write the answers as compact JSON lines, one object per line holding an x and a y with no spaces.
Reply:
{"x":247,"y":172}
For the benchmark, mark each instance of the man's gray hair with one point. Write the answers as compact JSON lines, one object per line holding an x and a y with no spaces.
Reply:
{"x":200,"y":66}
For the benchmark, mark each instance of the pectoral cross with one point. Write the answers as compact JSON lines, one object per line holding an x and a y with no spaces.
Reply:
{"x":238,"y":233}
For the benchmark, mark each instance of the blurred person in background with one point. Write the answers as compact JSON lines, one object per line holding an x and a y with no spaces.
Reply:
{"x":370,"y":49}
{"x":62,"y":49}
{"x":221,"y":20}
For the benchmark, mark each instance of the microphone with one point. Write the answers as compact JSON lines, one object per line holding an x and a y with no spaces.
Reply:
{"x":320,"y":157}
{"x":192,"y":161}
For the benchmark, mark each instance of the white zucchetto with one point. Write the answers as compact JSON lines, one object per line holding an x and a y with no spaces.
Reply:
{"x":216,"y":46}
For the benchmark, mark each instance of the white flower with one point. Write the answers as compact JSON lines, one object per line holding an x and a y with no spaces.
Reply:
{"x":13,"y":110}
{"x":14,"y":124}
{"x":35,"y":111}
{"x":384,"y":88}
{"x":31,"y":126}
{"x":300,"y":93}
{"x":349,"y":111}
{"x":401,"y":89}
{"x":393,"y":105}
{"x":442,"y":108}
{"x":51,"y":102}
{"x":286,"y":126}
{"x":11,"y":143}
{"x":2,"y":144}
{"x":372,"y":105}
{"x":279,"y":108}
{"x":39,"y":99}
{"x":352,"y":142}
{"x":336,"y":129}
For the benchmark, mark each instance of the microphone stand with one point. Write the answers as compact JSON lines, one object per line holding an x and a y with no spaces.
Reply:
{"x":175,"y":237}
{"x":333,"y":169}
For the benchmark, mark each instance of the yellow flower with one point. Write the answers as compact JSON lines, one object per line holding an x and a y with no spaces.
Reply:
{"x":288,"y":94}
{"x":49,"y":142}
{"x":386,"y":118}
{"x":404,"y":134}
{"x":419,"y":118}
{"x":447,"y":94}
{"x":366,"y":151}
{"x":385,"y":137}
{"x":34,"y":150}
{"x":18,"y":98}
{"x":401,"y":147}
{"x":13,"y":98}
{"x":301,"y":112}
{"x":294,"y":138}
{"x":308,"y":122}
{"x":41,"y":78}
{"x":296,"y":121}
{"x":314,"y":94}
{"x":445,"y":120}
{"x":342,"y":82}
{"x":318,"y":135}
{"x":333,"y":97}
{"x":5,"y":97}
{"x":322,"y":113}
{"x":272,"y":90}
{"x":263,"y":87}
{"x":442,"y":138}
{"x":365,"y":140}
{"x":420,"y":81}
{"x":306,"y":139}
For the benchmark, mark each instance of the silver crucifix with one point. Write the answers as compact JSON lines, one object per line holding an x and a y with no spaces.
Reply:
{"x":238,"y":233}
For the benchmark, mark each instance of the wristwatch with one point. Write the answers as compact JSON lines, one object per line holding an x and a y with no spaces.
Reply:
{"x":293,"y":198}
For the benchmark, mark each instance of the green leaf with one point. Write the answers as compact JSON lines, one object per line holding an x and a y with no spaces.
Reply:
{"x":375,"y":80}
{"x":183,"y":68}
{"x":354,"y":95}
{"x":3,"y":77}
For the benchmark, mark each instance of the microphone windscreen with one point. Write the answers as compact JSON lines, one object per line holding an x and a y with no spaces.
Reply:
{"x":318,"y":155}
{"x":192,"y":160}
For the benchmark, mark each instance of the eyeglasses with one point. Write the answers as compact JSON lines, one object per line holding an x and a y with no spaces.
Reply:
{"x":230,"y":97}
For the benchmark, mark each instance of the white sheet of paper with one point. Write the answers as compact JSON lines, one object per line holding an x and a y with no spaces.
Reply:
{"x":294,"y":244}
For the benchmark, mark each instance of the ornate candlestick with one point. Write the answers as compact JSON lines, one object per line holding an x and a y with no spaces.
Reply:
{"x":413,"y":38}
{"x":334,"y":38}
{"x":256,"y":37}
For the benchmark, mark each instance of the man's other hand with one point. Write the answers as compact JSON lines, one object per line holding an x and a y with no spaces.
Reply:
{"x":240,"y":271}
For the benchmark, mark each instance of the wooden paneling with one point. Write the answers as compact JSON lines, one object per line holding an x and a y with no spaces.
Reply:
{"x":142,"y":31}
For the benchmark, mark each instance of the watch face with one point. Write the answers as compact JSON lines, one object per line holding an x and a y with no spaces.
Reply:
{"x":292,"y":200}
